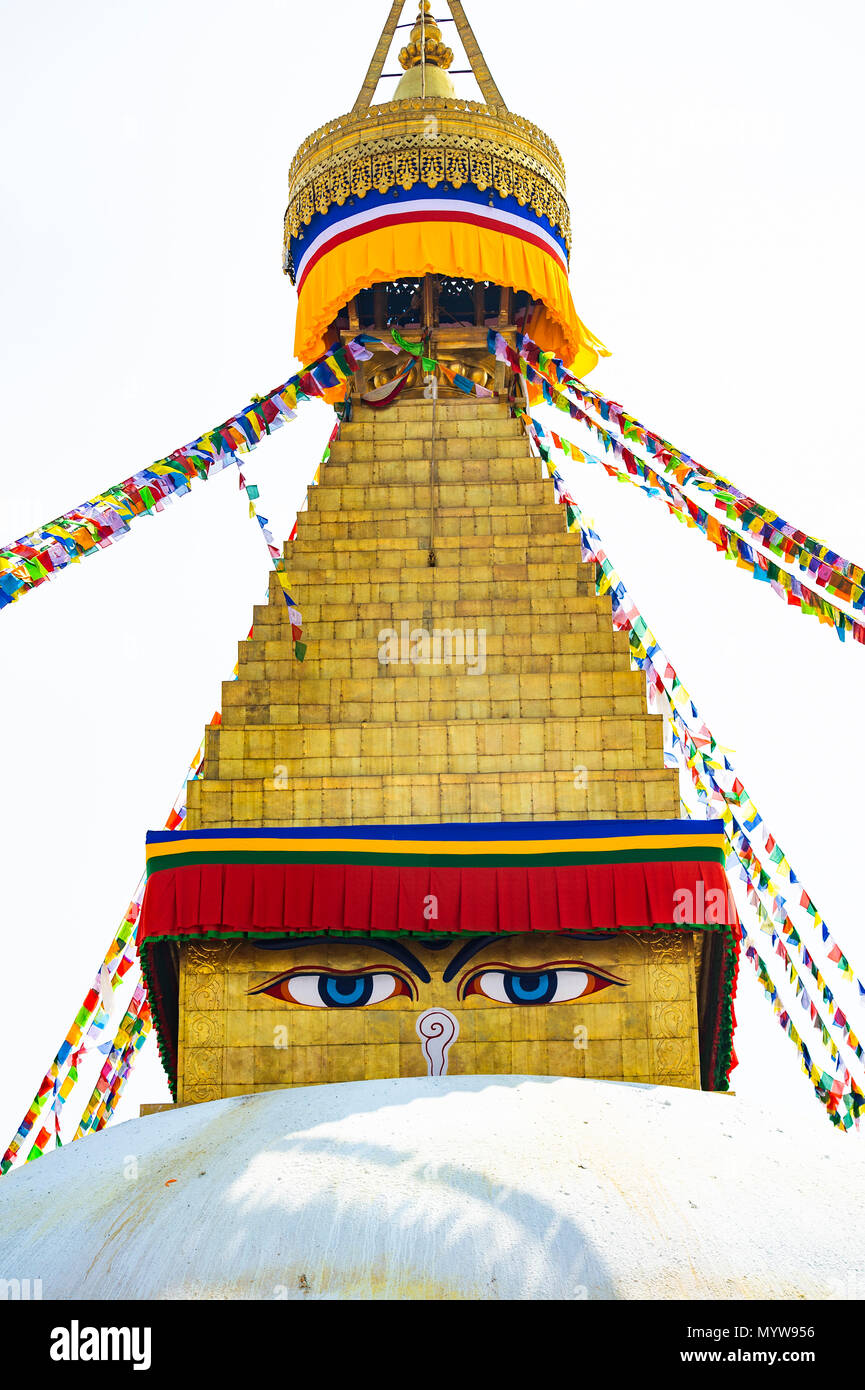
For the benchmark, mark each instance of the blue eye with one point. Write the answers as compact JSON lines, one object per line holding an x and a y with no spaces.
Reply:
{"x":345,"y":991}
{"x":530,"y":989}
{"x":561,"y":985}
{"x":334,"y":990}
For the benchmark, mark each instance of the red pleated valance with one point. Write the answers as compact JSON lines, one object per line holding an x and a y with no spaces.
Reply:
{"x":262,"y":898}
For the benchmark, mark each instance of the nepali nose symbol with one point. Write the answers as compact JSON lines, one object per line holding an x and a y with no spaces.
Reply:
{"x":438,"y":1030}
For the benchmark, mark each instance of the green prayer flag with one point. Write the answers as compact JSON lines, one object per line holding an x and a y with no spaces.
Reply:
{"x":339,"y":357}
{"x":416,"y":349}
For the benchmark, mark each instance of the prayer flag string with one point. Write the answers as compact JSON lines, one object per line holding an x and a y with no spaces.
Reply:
{"x":106,"y":518}
{"x":727,"y":541}
{"x":276,"y":555}
{"x":548,"y":378}
{"x":133,"y":1030}
{"x":88,"y":1028}
{"x":710,"y":769}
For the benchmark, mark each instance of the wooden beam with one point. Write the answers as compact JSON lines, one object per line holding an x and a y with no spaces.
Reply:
{"x":376,"y":67}
{"x":491,"y":94}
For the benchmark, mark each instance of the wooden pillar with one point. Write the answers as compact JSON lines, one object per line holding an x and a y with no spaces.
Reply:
{"x":480,"y":307}
{"x":360,"y":375}
{"x":505,"y":312}
{"x":379,"y":307}
{"x":428,"y":319}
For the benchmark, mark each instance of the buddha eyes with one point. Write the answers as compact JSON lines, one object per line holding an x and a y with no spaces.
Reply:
{"x":556,"y":983}
{"x":335,"y":989}
{"x":548,"y":986}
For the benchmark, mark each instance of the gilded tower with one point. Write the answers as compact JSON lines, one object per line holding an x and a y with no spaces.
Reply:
{"x":433,"y":213}
{"x":447,"y":840}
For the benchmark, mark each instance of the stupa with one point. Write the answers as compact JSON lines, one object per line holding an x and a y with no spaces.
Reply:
{"x":446,"y":841}
{"x":439,"y":975}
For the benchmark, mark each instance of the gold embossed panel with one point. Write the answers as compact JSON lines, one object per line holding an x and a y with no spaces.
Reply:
{"x":248,"y":1023}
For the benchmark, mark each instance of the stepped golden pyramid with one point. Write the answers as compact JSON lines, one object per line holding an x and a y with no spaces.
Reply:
{"x":365,"y":741}
{"x":461,"y":673}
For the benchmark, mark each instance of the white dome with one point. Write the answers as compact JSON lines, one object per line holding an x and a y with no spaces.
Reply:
{"x":459,"y":1187}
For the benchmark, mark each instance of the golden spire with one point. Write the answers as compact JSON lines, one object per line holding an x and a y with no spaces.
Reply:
{"x":426,"y":35}
{"x":425,"y":60}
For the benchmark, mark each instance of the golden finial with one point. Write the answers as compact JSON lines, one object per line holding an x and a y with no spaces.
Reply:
{"x":426,"y":43}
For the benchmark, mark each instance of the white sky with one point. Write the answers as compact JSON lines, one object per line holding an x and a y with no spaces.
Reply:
{"x":714,"y":155}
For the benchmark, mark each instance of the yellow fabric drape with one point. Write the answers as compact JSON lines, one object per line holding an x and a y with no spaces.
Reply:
{"x":445,"y":248}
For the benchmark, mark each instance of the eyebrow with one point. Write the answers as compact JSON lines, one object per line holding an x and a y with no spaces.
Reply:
{"x":390,"y":948}
{"x":478,"y":943}
{"x":465,"y":953}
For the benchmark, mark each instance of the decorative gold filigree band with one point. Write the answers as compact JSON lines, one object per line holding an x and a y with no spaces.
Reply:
{"x":344,"y":133}
{"x":411,"y":160}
